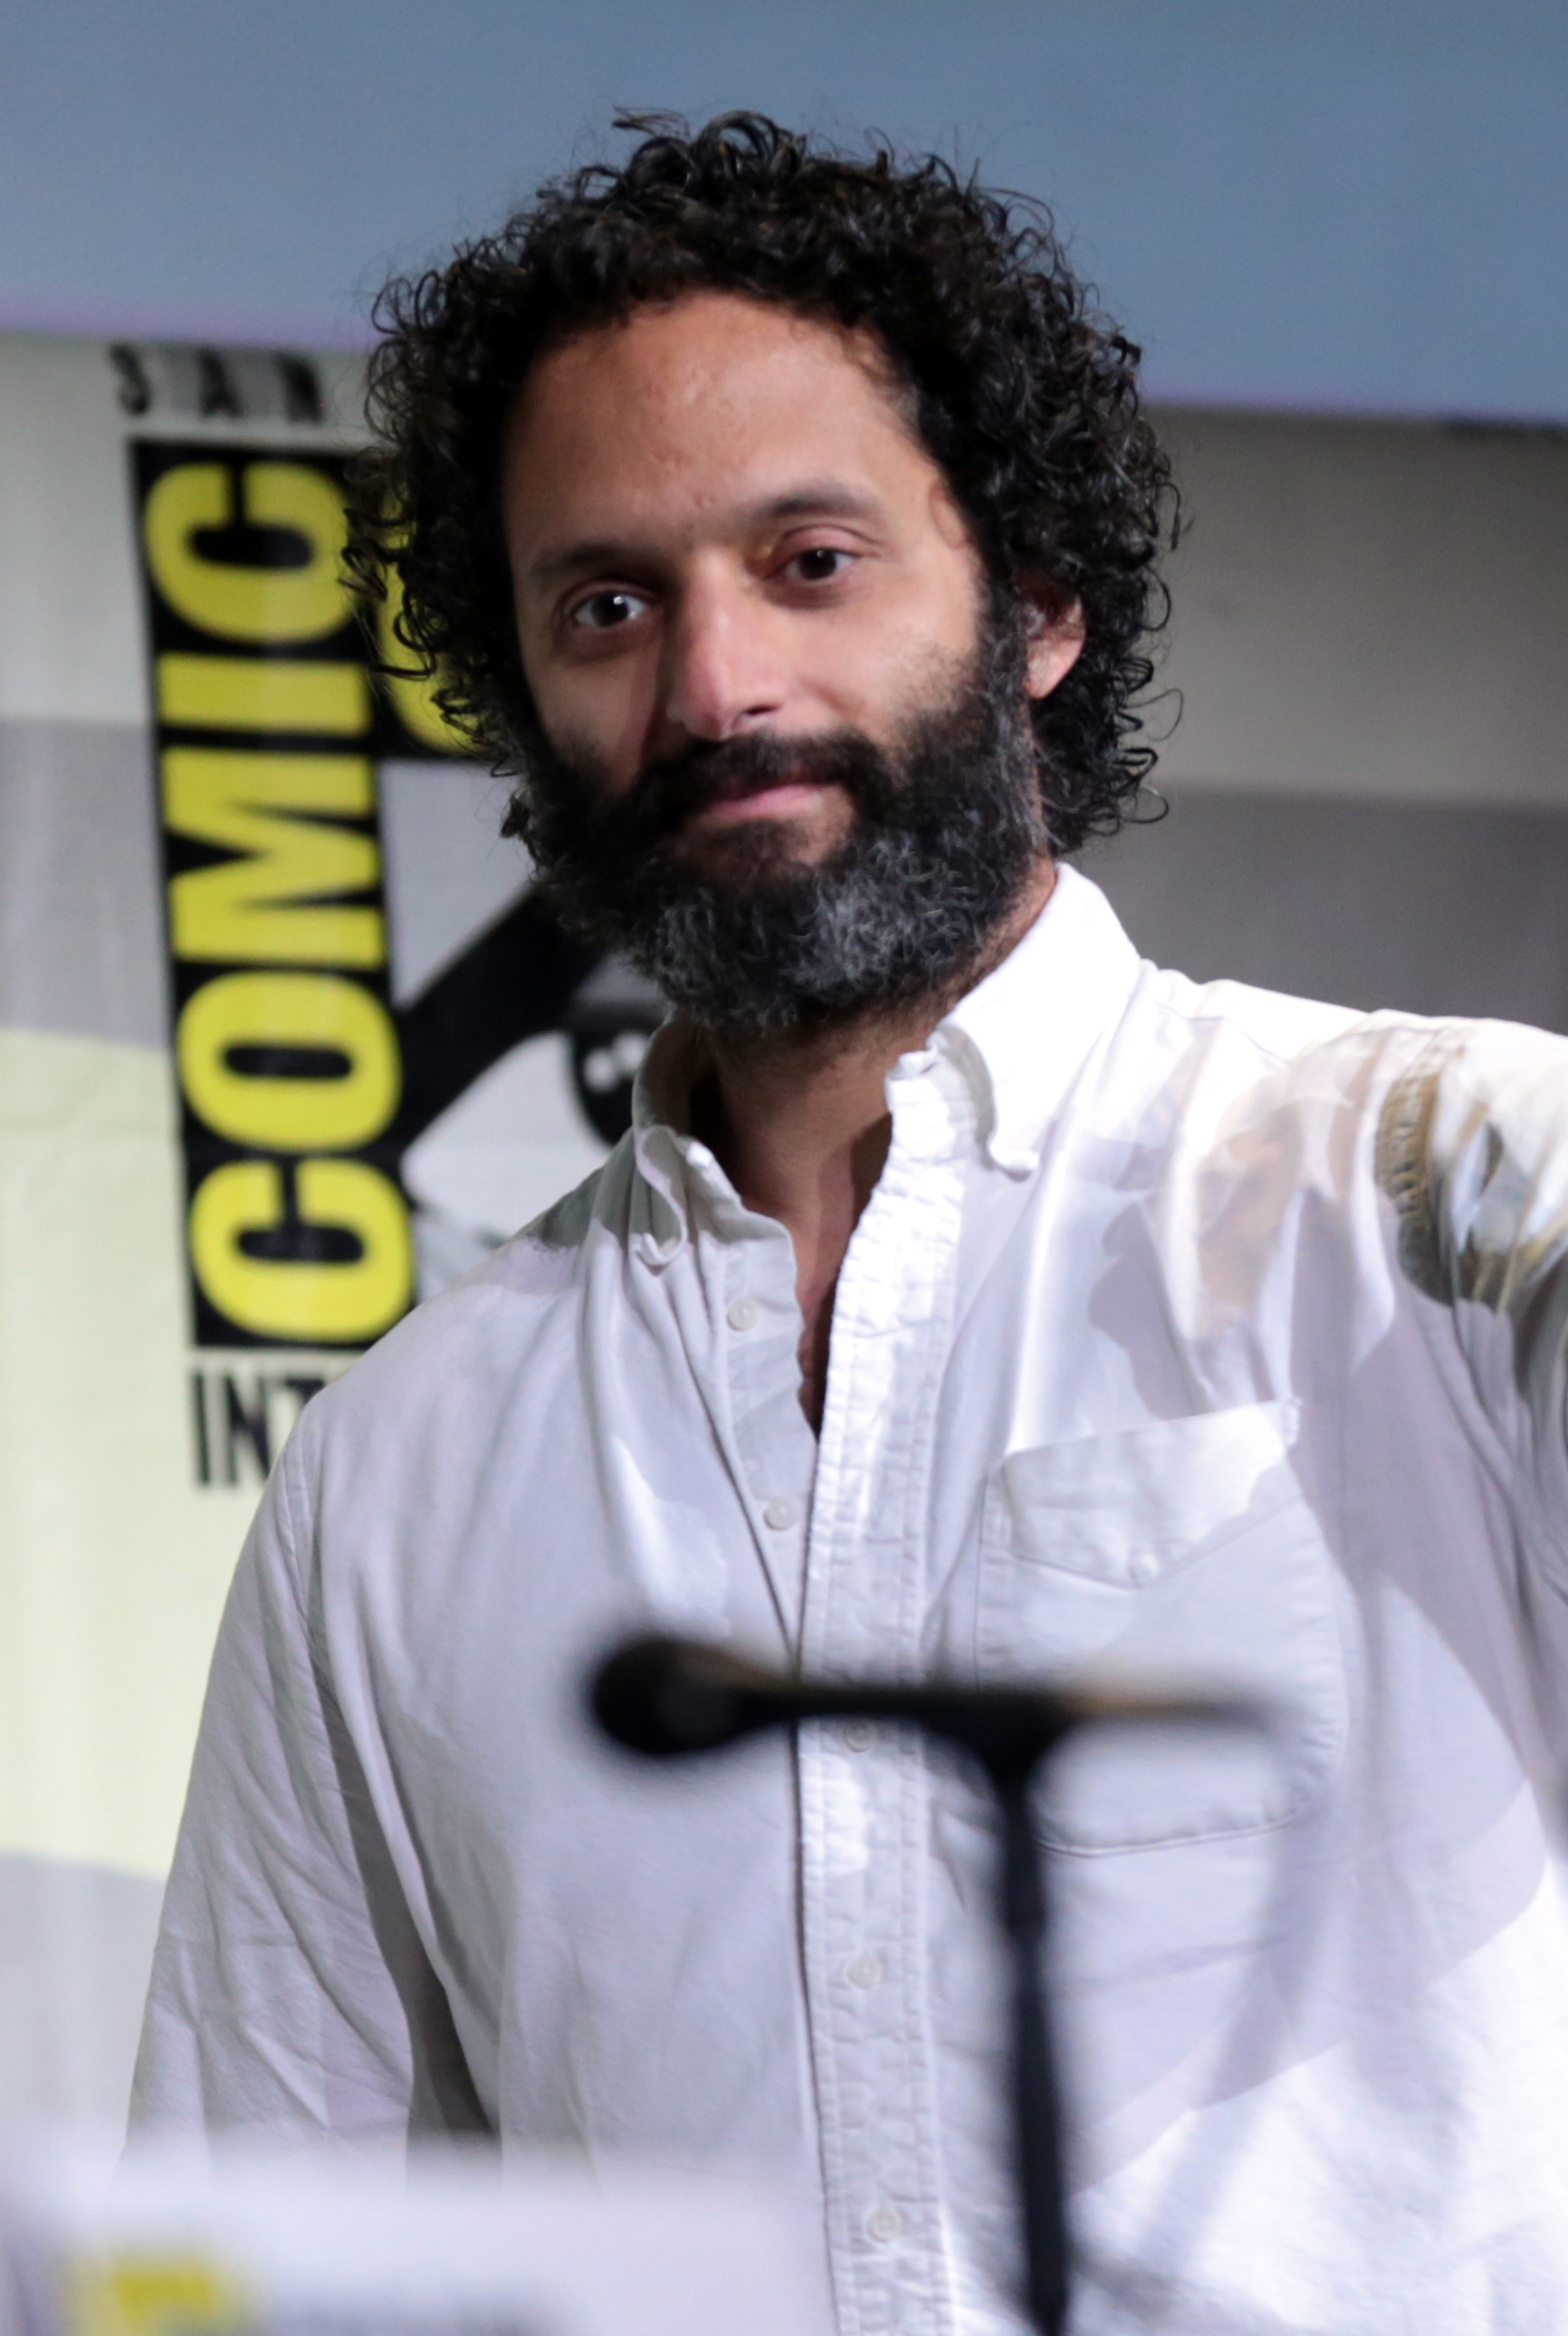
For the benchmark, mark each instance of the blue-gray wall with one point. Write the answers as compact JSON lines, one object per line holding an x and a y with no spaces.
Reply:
{"x":1354,"y":207}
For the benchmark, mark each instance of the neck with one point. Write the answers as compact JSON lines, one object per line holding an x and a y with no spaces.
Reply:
{"x":799,"y":1122}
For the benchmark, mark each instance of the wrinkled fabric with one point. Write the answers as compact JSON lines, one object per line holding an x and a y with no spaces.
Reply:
{"x":1190,"y":1331}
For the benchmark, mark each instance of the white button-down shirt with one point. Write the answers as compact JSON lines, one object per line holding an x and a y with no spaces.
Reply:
{"x":1187,"y":1329}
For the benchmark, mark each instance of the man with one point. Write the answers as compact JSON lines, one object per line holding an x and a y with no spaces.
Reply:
{"x":969,"y":1296}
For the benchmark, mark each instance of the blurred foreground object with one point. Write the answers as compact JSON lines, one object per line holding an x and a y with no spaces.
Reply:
{"x":171,"y":2243}
{"x":670,"y":1697}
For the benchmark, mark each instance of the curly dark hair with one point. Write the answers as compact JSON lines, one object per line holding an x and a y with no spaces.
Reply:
{"x":1020,"y":391}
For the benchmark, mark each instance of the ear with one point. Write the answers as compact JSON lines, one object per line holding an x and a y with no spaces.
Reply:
{"x":1055,"y":632}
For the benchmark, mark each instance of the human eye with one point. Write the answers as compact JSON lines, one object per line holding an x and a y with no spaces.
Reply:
{"x":819,"y":563}
{"x":607,"y":610}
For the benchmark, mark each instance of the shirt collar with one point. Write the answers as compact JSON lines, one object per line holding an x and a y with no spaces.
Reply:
{"x":665,"y":1150}
{"x":1019,"y":1038}
{"x":1025,"y":1031}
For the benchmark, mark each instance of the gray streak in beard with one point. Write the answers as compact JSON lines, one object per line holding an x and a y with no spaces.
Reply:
{"x":949,"y":827}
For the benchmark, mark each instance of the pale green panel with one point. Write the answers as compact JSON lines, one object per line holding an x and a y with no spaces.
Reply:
{"x":113,"y":1563}
{"x":75,"y":1950}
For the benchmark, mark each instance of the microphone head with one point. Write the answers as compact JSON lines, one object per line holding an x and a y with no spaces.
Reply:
{"x":666,"y":1697}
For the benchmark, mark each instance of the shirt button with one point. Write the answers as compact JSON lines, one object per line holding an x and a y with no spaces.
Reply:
{"x":860,"y":1735}
{"x":744,"y":1315}
{"x":781,"y":1514}
{"x":882,"y":2225}
{"x":866,"y":1970}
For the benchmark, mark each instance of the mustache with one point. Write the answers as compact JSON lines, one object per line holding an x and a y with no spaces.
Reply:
{"x":665,"y":794}
{"x":947,"y":822}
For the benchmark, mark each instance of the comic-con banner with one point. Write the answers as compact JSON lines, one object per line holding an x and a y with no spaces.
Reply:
{"x":290,"y":1076}
{"x":304,"y":1076}
{"x":286,"y":1043}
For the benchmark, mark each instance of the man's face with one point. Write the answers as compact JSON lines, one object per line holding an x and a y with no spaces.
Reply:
{"x":786,"y":763}
{"x":719,"y":525}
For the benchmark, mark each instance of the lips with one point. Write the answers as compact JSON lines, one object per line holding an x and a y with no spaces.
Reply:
{"x":769,"y":798}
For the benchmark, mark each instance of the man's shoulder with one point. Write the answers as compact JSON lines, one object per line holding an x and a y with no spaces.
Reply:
{"x":1269,"y":1021}
{"x":1313,"y":1035}
{"x":472,"y":1340}
{"x":1240,"y":1053}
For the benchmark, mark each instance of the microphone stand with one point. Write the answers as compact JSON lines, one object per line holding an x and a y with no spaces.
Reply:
{"x":1036,"y":2101}
{"x":667,"y":1698}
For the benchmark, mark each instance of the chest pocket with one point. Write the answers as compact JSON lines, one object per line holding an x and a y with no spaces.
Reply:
{"x":1182,"y":1550}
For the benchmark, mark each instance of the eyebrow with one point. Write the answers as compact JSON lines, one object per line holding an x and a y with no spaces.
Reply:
{"x":817,"y":499}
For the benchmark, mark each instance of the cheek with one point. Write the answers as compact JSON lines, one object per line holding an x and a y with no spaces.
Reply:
{"x":935,"y":607}
{"x":597,"y":714}
{"x":960,"y":596}
{"x":894,"y":653}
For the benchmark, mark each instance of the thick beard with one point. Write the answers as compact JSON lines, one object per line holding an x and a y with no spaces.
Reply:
{"x":949,"y":827}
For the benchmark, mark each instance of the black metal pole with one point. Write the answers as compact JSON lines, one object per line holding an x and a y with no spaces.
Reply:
{"x":1035,"y":2099}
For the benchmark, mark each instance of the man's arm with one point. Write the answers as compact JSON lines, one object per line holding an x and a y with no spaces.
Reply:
{"x":1474,"y":1152}
{"x":290,"y":1991}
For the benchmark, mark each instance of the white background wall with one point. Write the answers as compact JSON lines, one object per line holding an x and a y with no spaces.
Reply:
{"x":1368,"y":780}
{"x":1370,"y":608}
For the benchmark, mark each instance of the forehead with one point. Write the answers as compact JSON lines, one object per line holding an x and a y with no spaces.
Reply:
{"x":712,"y":401}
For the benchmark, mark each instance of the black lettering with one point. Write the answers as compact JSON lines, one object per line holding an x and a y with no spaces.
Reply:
{"x":246,"y":1427}
{"x":302,"y":400}
{"x":134,"y":392}
{"x":199,"y":1423}
{"x":215,"y":390}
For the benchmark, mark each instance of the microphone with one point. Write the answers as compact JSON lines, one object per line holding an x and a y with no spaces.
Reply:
{"x":667,"y":1697}
{"x":670,"y":1698}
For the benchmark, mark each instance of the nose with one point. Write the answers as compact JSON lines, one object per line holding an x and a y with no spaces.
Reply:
{"x":722,"y":672}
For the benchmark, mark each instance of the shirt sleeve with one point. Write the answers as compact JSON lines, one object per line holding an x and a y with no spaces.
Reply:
{"x":1474,"y":1152}
{"x":290,"y":1992}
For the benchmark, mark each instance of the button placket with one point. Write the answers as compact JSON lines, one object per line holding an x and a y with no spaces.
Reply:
{"x":756,"y":1382}
{"x":864,"y":1821}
